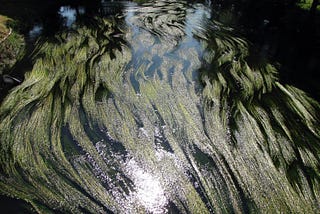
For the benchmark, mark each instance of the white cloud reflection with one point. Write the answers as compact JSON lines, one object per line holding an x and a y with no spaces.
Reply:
{"x":69,"y":14}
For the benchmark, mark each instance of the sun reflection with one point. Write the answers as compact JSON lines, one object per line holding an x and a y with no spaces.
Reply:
{"x":148,"y":189}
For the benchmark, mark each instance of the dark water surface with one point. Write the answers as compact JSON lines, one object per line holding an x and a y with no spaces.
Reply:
{"x":155,"y":107}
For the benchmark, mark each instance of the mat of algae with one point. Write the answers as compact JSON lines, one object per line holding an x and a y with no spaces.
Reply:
{"x":158,"y":110}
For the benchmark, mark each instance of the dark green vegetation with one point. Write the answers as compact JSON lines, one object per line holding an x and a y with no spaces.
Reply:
{"x":11,"y":45}
{"x":159,"y":108}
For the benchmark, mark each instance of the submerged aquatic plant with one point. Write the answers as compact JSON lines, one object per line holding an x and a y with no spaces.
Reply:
{"x":158,"y":112}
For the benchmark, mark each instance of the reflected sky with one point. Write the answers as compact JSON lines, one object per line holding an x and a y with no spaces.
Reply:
{"x":160,"y":32}
{"x":35,"y":31}
{"x":69,"y":15}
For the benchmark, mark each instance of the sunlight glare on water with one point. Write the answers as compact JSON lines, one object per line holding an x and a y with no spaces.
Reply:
{"x":148,"y":190}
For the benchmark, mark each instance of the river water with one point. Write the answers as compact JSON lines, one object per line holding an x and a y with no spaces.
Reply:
{"x":155,"y":107}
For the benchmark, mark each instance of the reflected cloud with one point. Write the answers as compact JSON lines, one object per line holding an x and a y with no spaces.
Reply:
{"x":35,"y":31}
{"x":69,"y":15}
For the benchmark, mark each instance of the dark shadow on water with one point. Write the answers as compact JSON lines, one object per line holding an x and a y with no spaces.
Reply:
{"x":10,"y":205}
{"x":281,"y":32}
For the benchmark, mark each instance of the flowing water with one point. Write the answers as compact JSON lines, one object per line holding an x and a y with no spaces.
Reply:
{"x":157,"y":109}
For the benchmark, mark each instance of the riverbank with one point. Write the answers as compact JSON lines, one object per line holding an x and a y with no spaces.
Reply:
{"x":4,"y":31}
{"x":12,"y":44}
